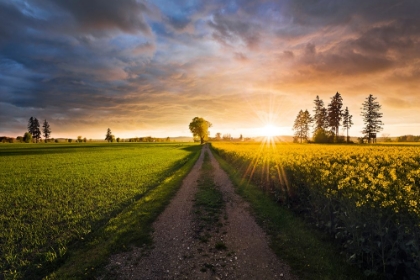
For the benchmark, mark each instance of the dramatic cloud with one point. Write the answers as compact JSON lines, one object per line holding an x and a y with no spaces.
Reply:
{"x":126,"y":15}
{"x":149,"y":67}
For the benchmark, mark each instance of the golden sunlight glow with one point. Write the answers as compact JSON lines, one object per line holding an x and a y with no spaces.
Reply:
{"x":269,"y":130}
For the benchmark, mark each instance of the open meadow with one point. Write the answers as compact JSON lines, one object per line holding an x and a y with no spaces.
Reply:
{"x":54,"y":195}
{"x":366,"y":197}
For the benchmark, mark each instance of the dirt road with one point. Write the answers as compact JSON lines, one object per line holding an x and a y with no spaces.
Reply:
{"x":179,"y":254}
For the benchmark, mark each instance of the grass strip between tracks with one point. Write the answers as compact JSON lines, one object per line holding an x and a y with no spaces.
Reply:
{"x":208,"y":204}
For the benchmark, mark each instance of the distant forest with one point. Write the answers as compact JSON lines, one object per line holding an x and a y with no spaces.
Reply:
{"x":409,"y":138}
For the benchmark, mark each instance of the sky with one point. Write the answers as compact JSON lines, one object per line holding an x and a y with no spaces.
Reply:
{"x":147,"y":68}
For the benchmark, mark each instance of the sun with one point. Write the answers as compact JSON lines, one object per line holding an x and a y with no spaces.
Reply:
{"x":269,"y":131}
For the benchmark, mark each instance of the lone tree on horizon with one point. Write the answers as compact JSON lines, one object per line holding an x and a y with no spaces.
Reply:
{"x":33,"y":128}
{"x":108,"y":136}
{"x":200,"y":127}
{"x":46,"y":130}
{"x":371,"y":117}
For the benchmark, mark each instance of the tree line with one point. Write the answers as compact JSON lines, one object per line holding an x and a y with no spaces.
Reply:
{"x":35,"y":133}
{"x":326,"y":121}
{"x":111,"y":138}
{"x":409,"y":138}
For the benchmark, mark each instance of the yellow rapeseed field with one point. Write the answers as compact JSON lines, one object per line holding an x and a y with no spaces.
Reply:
{"x":364,"y":196}
{"x":386,"y":176}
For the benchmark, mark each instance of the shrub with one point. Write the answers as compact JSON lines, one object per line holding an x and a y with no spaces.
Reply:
{"x":27,"y":137}
{"x":323,"y":136}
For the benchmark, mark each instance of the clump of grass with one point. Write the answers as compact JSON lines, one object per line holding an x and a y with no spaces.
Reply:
{"x":207,"y":266}
{"x":220,"y":246}
{"x":204,"y":237}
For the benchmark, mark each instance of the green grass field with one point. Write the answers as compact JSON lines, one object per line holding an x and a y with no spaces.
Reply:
{"x":53,"y":196}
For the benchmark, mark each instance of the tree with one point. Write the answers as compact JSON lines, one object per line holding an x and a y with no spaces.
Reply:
{"x":297,"y":126}
{"x":227,"y":136}
{"x":27,"y":137}
{"x":218,"y":136}
{"x":371,"y":117}
{"x":335,"y":112}
{"x":386,"y":137}
{"x":199,"y":127}
{"x":301,"y":125}
{"x":347,"y":121}
{"x":323,"y":136}
{"x":320,"y":115}
{"x":33,"y":128}
{"x":79,"y":139}
{"x":31,"y":125}
{"x":108,"y":136}
{"x":321,"y":124}
{"x":307,"y":120}
{"x":46,"y":131}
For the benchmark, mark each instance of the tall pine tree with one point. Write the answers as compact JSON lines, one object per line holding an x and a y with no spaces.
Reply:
{"x":46,"y":130}
{"x":335,"y":113}
{"x":320,"y":115}
{"x":347,"y":121}
{"x":33,"y":128}
{"x":31,"y":125}
{"x":371,"y":117}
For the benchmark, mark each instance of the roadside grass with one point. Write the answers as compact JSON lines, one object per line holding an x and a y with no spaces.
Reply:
{"x":209,"y":202}
{"x":133,"y":226}
{"x":307,"y":251}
